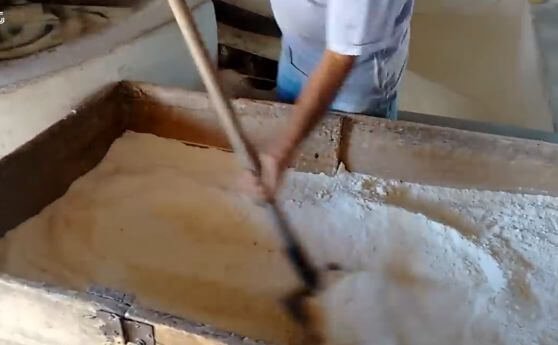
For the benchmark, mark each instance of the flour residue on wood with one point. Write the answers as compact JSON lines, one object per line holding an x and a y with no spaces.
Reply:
{"x":420,"y":264}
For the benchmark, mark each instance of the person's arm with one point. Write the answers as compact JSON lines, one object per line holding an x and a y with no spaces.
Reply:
{"x":353,"y":28}
{"x":310,"y":107}
{"x":312,"y":104}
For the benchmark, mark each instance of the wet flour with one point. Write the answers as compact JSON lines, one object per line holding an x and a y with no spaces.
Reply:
{"x":420,"y":264}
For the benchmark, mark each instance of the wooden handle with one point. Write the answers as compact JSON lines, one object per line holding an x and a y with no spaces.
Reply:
{"x":208,"y":73}
{"x":242,"y":148}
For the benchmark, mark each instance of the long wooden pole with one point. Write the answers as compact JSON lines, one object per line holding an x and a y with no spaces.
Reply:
{"x":243,"y":150}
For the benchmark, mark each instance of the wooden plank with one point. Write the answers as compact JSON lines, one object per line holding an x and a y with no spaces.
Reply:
{"x":319,"y":153}
{"x":261,"y":45}
{"x":478,"y":126}
{"x":188,"y":116}
{"x":38,"y":314}
{"x":46,"y":315}
{"x":173,"y":330}
{"x":40,"y":171}
{"x":448,"y":157}
{"x":413,"y":152}
{"x":245,"y":20}
{"x":108,"y":3}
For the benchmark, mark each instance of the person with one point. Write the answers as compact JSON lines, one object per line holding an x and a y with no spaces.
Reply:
{"x":345,"y":55}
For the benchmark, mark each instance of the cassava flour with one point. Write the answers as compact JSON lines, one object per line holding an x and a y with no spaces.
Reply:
{"x":420,"y":264}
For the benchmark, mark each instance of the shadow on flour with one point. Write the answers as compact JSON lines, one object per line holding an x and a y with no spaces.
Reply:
{"x":517,"y":267}
{"x":434,"y":211}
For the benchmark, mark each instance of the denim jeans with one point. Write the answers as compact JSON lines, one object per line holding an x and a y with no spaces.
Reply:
{"x":370,"y":89}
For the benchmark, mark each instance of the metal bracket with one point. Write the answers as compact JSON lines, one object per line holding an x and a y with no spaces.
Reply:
{"x":138,"y":333}
{"x":123,"y":331}
{"x":119,"y":329}
{"x":112,"y":327}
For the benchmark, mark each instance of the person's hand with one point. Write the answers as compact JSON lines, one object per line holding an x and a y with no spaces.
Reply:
{"x":267,"y":184}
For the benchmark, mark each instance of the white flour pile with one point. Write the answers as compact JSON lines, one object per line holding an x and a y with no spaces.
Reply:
{"x":421,"y":265}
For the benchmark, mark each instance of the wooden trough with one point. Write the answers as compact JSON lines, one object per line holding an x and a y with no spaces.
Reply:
{"x":41,"y":171}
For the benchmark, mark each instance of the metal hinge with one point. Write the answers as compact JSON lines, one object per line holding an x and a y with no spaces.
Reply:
{"x":119,"y":329}
{"x":123,"y":331}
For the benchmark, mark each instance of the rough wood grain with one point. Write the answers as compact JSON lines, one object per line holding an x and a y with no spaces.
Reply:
{"x":448,"y":157}
{"x":172,"y":330}
{"x":189,"y":117}
{"x":42,"y":170}
{"x":37,"y":314}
